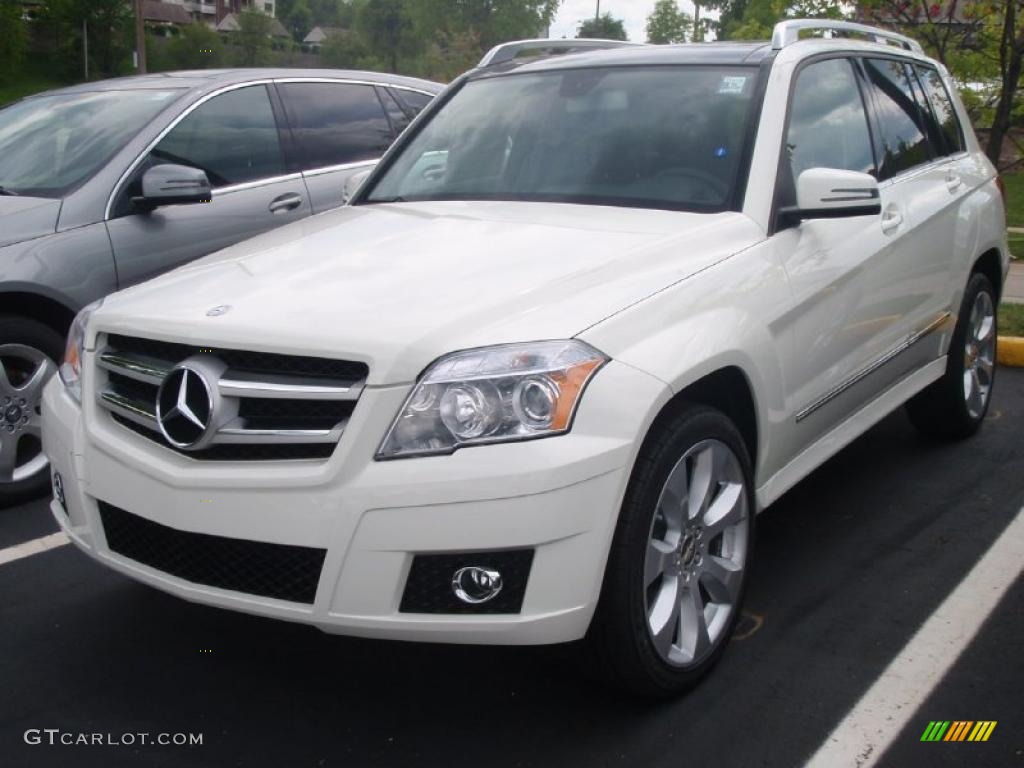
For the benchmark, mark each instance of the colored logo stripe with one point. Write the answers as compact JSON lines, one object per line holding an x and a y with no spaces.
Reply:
{"x":958,"y":730}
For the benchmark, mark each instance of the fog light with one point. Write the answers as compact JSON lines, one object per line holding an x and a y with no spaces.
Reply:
{"x":475,"y":585}
{"x":58,"y":491}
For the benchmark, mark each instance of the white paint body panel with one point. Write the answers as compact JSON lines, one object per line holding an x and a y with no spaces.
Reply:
{"x":669,"y":297}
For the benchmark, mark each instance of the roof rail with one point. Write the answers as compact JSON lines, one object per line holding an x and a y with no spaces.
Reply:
{"x":788,"y":32}
{"x":500,"y":54}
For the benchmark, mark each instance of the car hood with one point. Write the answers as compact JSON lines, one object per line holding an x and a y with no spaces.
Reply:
{"x":25,"y":218}
{"x":397,"y":285}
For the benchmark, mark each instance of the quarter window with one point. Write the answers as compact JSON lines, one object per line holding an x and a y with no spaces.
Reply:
{"x":336,"y":123}
{"x":900,"y":122}
{"x":413,"y":101}
{"x":828,"y":127}
{"x":233,"y":137}
{"x":942,"y":105}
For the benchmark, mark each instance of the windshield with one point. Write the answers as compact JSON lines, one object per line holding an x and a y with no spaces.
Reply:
{"x":50,"y":144}
{"x":653,"y":137}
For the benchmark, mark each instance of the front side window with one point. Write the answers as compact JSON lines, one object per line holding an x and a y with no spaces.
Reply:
{"x":900,"y":122}
{"x":232,"y":137}
{"x":828,"y":127}
{"x":942,"y":105}
{"x":657,"y":137}
{"x":335,"y":123}
{"x":51,"y":144}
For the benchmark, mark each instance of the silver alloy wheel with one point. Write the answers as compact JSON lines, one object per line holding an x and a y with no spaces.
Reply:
{"x":24,"y":372}
{"x":696,"y":554}
{"x":979,"y":354}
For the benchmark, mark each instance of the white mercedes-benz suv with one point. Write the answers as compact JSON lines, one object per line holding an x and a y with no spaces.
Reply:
{"x":588,"y":316}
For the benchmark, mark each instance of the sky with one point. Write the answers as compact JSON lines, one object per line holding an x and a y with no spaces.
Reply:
{"x":633,"y":12}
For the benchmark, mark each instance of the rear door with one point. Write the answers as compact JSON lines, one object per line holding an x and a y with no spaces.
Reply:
{"x":921,"y":186}
{"x":338,"y":128}
{"x":233,"y":137}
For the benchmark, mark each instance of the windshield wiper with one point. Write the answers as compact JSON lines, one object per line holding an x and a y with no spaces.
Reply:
{"x":9,"y":192}
{"x":395,"y":199}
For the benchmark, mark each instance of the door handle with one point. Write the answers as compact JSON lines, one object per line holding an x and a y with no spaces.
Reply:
{"x":891,"y":220}
{"x":288,"y":202}
{"x":952,"y":181}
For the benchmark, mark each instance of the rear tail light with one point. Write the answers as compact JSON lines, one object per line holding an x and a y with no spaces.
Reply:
{"x":1002,"y":191}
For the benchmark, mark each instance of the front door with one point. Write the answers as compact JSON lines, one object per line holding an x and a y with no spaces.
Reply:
{"x":234,"y":138}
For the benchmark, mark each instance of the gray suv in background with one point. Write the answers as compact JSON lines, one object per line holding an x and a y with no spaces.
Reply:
{"x":106,"y":184}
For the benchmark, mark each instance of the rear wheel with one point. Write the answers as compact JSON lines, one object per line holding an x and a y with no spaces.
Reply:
{"x":29,"y":352}
{"x":955,"y":405}
{"x":677,"y":569}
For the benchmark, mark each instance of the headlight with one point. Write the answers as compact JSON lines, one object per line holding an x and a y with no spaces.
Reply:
{"x":493,"y":395}
{"x":71,"y":369}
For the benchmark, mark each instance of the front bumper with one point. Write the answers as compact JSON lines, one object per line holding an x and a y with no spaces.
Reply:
{"x":557,"y":496}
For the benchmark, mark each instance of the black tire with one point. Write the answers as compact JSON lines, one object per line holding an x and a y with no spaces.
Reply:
{"x":619,"y":647}
{"x":941,"y":411}
{"x":29,"y":333}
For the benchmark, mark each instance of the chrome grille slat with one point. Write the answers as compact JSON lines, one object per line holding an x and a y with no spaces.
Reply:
{"x":307,"y":405}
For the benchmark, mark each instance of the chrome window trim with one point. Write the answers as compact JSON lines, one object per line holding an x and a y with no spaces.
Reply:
{"x":218,"y":191}
{"x":867,"y":371}
{"x":234,"y":87}
{"x":341,"y":167}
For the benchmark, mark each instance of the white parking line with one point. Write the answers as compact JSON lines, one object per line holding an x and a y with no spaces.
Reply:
{"x":880,"y":715}
{"x":34,"y":547}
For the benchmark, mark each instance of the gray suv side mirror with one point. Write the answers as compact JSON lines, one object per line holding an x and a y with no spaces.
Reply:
{"x":173,"y":185}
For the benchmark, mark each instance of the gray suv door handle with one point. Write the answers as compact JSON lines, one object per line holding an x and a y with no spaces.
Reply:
{"x":952,"y":181}
{"x":288,"y":202}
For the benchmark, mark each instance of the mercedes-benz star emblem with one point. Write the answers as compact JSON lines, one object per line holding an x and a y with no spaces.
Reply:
{"x":218,"y":310}
{"x":184,"y":408}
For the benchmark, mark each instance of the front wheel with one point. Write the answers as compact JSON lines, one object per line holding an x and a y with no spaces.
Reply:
{"x":28,"y":354}
{"x":955,"y":406}
{"x":677,"y":569}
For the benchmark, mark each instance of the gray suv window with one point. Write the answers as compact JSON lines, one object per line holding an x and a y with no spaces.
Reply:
{"x":335,"y":123}
{"x":828,"y":127}
{"x":233,"y":137}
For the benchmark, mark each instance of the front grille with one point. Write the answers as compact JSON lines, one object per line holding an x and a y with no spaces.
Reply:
{"x":236,"y":451}
{"x":281,"y":571}
{"x":273,"y":406}
{"x":243,"y":360}
{"x":428,"y":588}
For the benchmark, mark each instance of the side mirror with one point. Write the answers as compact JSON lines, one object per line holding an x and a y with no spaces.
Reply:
{"x":352,"y":184}
{"x":173,"y":185}
{"x":829,"y":193}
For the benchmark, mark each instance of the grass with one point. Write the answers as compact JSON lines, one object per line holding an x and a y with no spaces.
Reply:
{"x":25,"y":85}
{"x":1011,"y":319}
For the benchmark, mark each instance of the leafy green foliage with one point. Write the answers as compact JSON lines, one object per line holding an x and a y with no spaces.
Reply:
{"x":12,"y":40}
{"x":253,"y":38}
{"x":604,"y":27}
{"x":667,"y":24}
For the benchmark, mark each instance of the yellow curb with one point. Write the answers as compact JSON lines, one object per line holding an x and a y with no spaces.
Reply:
{"x":1011,"y":351}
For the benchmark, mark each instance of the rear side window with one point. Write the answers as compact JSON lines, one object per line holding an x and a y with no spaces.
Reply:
{"x":396,"y":114}
{"x":904,"y":142}
{"x":828,"y":127}
{"x":233,"y":137}
{"x":413,"y":101}
{"x":335,"y":123}
{"x":942,"y":105}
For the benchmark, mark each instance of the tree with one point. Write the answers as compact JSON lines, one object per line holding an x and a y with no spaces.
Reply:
{"x":110,"y":29}
{"x":604,"y":27}
{"x":667,"y":24}
{"x":196,"y":47}
{"x":387,"y":28}
{"x":12,"y":39}
{"x":299,"y":20}
{"x":253,"y":38}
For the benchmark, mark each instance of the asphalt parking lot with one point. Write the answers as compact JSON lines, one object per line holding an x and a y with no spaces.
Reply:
{"x":849,"y":565}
